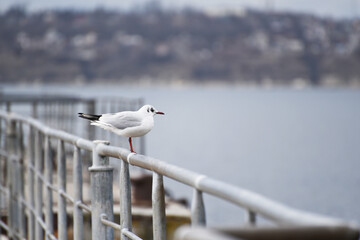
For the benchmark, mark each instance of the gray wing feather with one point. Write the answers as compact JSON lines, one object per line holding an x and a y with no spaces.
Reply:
{"x":120,"y":121}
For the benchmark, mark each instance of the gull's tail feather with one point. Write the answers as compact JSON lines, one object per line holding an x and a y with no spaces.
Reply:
{"x":91,"y":117}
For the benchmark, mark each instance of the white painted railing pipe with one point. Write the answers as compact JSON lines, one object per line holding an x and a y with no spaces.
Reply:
{"x":101,"y":189}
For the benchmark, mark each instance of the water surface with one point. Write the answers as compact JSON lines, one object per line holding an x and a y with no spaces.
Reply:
{"x":301,"y":148}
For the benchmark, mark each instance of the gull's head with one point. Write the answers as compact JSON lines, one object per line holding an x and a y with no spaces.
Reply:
{"x":149,"y":110}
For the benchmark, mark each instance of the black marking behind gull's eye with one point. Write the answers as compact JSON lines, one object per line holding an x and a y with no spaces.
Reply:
{"x":148,"y":110}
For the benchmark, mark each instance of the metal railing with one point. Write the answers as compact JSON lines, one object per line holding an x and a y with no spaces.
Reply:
{"x":57,"y":111}
{"x":30,"y":214}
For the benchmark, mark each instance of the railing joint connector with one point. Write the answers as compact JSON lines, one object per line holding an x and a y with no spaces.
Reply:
{"x":100,"y":168}
{"x":129,"y":156}
{"x":61,"y":191}
{"x":198,"y":180}
{"x":77,"y":203}
{"x":103,"y":216}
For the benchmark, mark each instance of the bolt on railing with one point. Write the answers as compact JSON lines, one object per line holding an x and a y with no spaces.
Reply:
{"x":39,"y":170}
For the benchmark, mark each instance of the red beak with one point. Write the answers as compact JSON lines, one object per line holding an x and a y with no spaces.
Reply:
{"x":160,"y":113}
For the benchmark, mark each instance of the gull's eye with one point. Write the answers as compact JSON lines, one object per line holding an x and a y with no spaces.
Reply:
{"x":152,"y":110}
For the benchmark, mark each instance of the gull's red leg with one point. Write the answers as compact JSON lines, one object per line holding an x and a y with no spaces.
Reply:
{"x":131,"y":147}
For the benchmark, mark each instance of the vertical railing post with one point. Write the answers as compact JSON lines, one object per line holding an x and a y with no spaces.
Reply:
{"x":198,"y":217}
{"x":21,"y":190}
{"x":158,"y":203}
{"x":34,"y":112}
{"x":11,"y":146}
{"x":61,"y":179}
{"x":141,"y":102}
{"x":90,"y":130}
{"x":1,"y":132}
{"x":78,"y":213}
{"x":125,"y":199}
{"x":91,"y":109}
{"x":8,"y":107}
{"x":250,"y":217}
{"x":101,"y":179}
{"x":1,"y":166}
{"x":38,"y":184}
{"x":31,"y":173}
{"x":49,"y":217}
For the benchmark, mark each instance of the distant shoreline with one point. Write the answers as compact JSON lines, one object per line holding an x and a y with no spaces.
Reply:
{"x":179,"y":84}
{"x":189,"y":47}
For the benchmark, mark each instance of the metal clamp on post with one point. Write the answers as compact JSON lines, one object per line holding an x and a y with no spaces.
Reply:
{"x":129,"y":156}
{"x":101,"y":194}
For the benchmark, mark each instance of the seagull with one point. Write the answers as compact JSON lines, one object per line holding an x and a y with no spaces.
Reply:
{"x":128,"y":123}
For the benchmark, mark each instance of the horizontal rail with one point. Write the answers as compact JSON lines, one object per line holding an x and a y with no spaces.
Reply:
{"x":84,"y":207}
{"x":249,"y":200}
{"x":105,"y":221}
{"x":66,"y":196}
{"x":24,"y":98}
{"x":38,"y":219}
{"x":130,"y":234}
{"x":268,"y":233}
{"x":51,"y":186}
{"x":43,"y":226}
{"x":290,"y":232}
{"x":54,"y":133}
{"x":242,"y":197}
{"x":4,"y":190}
{"x":4,"y":226}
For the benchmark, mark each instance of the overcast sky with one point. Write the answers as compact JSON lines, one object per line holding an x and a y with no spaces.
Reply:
{"x":332,"y":8}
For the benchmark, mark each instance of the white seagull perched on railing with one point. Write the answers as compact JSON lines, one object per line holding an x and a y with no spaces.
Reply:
{"x":128,"y":123}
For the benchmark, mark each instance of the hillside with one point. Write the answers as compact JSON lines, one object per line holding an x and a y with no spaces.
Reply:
{"x":240,"y":46}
